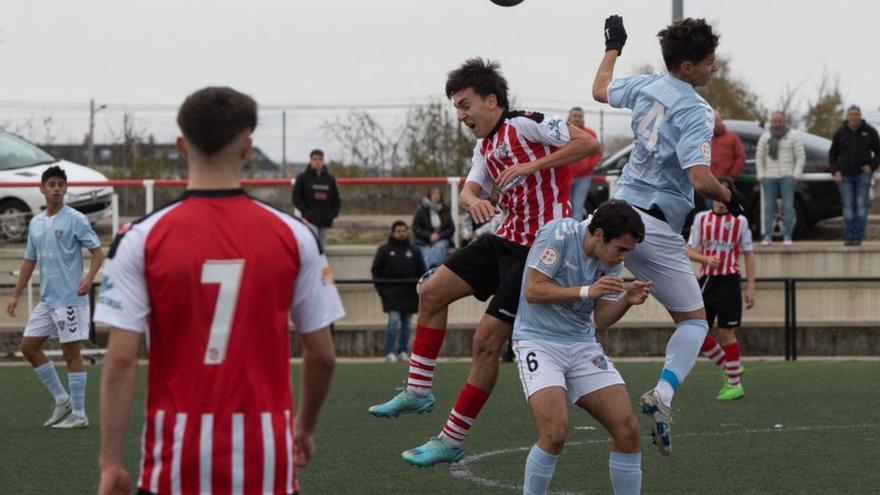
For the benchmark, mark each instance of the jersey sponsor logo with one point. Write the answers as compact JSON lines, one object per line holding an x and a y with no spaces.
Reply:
{"x":549,"y":256}
{"x":600,"y":362}
{"x":570,"y":265}
{"x":555,"y":126}
{"x":59,"y":233}
{"x":113,"y":303}
{"x":706,"y":149}
{"x":327,"y":276}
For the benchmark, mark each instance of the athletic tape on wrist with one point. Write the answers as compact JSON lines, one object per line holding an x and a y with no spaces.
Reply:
{"x":585,"y":292}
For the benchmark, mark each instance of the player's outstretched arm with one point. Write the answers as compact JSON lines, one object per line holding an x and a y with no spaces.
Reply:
{"x":608,"y":312}
{"x":319,"y":359}
{"x":24,"y":274}
{"x":580,"y":145}
{"x":615,"y":38}
{"x":118,"y":385}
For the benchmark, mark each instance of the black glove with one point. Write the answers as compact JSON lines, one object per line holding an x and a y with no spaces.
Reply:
{"x":615,"y":34}
{"x":735,"y":205}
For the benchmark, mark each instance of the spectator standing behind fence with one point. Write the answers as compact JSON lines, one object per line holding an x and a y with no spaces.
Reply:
{"x":779,"y":159}
{"x":398,"y":259}
{"x":854,"y":157}
{"x":581,"y":170}
{"x":316,"y":196}
{"x":433,"y":228}
{"x":728,"y":157}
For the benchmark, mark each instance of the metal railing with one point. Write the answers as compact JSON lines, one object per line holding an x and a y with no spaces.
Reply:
{"x":790,"y":327}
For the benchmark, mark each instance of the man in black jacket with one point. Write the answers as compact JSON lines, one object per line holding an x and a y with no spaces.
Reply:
{"x":398,"y":259}
{"x":433,"y":227}
{"x":854,"y":157}
{"x":316,"y":196}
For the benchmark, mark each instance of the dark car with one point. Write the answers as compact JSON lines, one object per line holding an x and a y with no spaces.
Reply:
{"x":814,"y":200}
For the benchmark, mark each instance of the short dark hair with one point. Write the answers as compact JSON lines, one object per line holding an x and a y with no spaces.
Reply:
{"x":617,"y":218}
{"x":315,"y":152}
{"x":579,"y":109}
{"x":50,"y":172}
{"x":687,"y":40}
{"x":398,"y":223}
{"x":213,"y":117}
{"x":484,"y":76}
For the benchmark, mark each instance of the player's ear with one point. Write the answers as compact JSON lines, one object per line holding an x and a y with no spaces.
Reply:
{"x":599,"y":234}
{"x":248,"y":145}
{"x":491,"y":100}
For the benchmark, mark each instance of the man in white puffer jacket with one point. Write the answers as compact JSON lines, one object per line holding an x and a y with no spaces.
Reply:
{"x":779,"y":159}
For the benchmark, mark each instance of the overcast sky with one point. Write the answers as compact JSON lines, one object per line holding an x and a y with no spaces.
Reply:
{"x":147,"y":55}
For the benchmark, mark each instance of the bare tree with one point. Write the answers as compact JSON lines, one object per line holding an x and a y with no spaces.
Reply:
{"x":731,"y":96}
{"x":367,"y":144}
{"x":824,"y":114}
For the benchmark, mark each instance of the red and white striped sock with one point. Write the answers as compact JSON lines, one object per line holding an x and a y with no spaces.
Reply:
{"x":713,"y":351}
{"x":467,"y":407}
{"x":425,"y":348}
{"x":732,"y":362}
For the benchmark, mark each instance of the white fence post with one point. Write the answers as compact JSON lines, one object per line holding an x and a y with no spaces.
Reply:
{"x":148,"y":192}
{"x":114,"y":213}
{"x":611,"y":180}
{"x":453,"y":205}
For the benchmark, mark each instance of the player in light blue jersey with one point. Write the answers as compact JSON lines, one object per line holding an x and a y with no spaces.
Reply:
{"x":573,"y":281}
{"x":672,"y":125}
{"x":55,"y":241}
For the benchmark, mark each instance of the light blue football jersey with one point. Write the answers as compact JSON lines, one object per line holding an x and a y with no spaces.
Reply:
{"x":673,"y":128}
{"x":558,"y":253}
{"x":56,"y":243}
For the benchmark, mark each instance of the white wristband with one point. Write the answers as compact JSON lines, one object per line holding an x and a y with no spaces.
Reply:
{"x":585,"y":292}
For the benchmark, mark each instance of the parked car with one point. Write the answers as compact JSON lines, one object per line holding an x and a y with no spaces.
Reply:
{"x":23,"y":161}
{"x":814,"y":201}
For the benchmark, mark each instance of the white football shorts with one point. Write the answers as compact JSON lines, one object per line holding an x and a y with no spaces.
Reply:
{"x":69,"y":324}
{"x":580,"y":369}
{"x":662,"y":259}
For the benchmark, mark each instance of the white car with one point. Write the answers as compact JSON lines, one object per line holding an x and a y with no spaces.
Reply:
{"x":22,"y":161}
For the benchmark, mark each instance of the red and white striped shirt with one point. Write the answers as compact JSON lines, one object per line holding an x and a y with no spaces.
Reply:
{"x":522,"y":137}
{"x":721,"y":236}
{"x":213,"y":279}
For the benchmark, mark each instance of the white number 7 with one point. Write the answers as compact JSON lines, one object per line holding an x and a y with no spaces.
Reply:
{"x":227,"y":273}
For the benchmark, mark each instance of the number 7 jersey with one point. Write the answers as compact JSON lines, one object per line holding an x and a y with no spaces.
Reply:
{"x":213,"y":280}
{"x":673,"y":127}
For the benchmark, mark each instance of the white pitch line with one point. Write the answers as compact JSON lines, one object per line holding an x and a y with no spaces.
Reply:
{"x":462,"y":470}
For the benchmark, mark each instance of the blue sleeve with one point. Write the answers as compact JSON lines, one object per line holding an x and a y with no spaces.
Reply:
{"x":622,"y":92}
{"x":549,"y":247}
{"x":696,"y":124}
{"x":85,"y":234}
{"x":31,"y":252}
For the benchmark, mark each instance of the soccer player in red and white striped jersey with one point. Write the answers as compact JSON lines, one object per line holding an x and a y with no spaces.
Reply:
{"x":212,"y":280}
{"x":525,"y":154}
{"x":717,"y":239}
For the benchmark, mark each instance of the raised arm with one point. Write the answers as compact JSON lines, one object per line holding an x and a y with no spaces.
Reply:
{"x":615,"y":38}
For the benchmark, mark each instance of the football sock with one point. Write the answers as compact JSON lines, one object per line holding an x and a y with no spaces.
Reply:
{"x":539,"y":471}
{"x":77,"y":384}
{"x":682,"y":351}
{"x":423,"y":359}
{"x":467,"y":406}
{"x":46,"y":373}
{"x":626,"y":473}
{"x":732,"y":352}
{"x":713,"y":351}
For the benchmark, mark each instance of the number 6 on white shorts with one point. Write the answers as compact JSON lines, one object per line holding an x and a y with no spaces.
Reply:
{"x":227,"y":273}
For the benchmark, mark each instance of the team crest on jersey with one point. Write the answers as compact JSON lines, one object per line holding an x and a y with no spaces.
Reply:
{"x":59,"y":233}
{"x":549,"y":256}
{"x":502,"y":151}
{"x":706,"y":149}
{"x":600,"y":362}
{"x":327,"y":276}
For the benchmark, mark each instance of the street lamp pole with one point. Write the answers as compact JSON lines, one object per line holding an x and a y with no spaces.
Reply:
{"x":677,"y":10}
{"x":91,"y":138}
